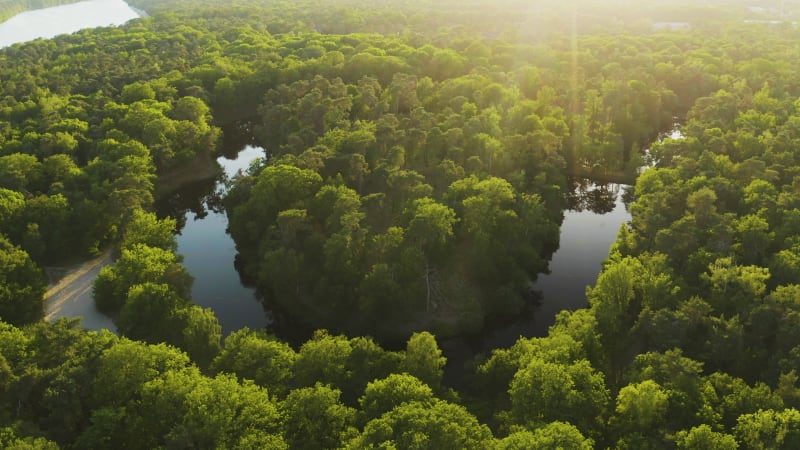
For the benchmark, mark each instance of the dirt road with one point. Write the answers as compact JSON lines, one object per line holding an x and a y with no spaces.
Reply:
{"x":71,"y":295}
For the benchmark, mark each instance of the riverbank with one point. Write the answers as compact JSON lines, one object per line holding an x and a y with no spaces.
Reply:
{"x":604,"y":176}
{"x":202,"y":167}
{"x":70,"y":292}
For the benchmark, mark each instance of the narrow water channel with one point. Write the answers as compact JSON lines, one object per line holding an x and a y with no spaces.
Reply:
{"x":208,"y":250}
{"x":590,"y":226}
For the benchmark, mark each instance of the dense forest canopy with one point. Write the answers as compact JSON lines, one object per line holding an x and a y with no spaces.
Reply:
{"x":418,"y":158}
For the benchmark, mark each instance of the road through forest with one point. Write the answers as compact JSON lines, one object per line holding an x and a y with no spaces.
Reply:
{"x":71,"y":294}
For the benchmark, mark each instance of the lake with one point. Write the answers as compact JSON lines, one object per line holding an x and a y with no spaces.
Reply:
{"x":50,"y":22}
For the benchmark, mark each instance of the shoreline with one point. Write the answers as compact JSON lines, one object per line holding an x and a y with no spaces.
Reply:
{"x":70,"y":287}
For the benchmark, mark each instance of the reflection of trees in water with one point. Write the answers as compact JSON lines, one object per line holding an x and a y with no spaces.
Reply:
{"x":199,"y":197}
{"x":236,"y":136}
{"x":585,"y":195}
{"x":628,"y":196}
{"x":202,"y":197}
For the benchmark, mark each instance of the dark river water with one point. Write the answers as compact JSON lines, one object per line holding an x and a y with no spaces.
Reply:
{"x":208,"y":250}
{"x":589,"y":228}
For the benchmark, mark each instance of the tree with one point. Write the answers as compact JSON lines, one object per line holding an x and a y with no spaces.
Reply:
{"x":381,"y":396}
{"x":641,"y":406}
{"x":733,"y":287}
{"x":314,"y":418}
{"x":679,"y":376}
{"x":20,"y":172}
{"x":610,"y":302}
{"x":192,"y":109}
{"x":422,"y":425}
{"x":201,"y":334}
{"x":553,"y":436}
{"x":258,"y":357}
{"x":703,"y":437}
{"x":727,"y":398}
{"x":543,"y":392}
{"x":221,"y":413}
{"x":430,"y":225}
{"x":767,"y":429}
{"x":137,"y":265}
{"x":424,"y":359}
{"x":150,"y":313}
{"x":145,"y":228}
{"x":22,"y":286}
{"x":10,"y":440}
{"x":183,"y":409}
{"x":323,"y":359}
{"x":127,"y":366}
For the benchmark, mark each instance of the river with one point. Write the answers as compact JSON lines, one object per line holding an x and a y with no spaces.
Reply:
{"x":590,"y":227}
{"x":208,"y":250}
{"x":50,"y":22}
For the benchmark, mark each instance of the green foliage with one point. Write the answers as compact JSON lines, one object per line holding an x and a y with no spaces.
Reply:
{"x":253,"y":356}
{"x":382,"y":396}
{"x":418,"y":158}
{"x":149,"y":313}
{"x":145,"y":228}
{"x":10,"y":440}
{"x":703,"y":437}
{"x":346,"y":364}
{"x":641,"y":406}
{"x":769,"y":429}
{"x":555,"y":435}
{"x":127,"y":366}
{"x":424,"y":359}
{"x":201,"y":334}
{"x":22,"y":286}
{"x":418,"y":425}
{"x":137,"y":265}
{"x":544,"y":392}
{"x":314,"y":418}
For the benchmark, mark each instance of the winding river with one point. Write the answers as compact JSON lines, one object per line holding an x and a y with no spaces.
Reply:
{"x":589,"y":227}
{"x":208,"y":250}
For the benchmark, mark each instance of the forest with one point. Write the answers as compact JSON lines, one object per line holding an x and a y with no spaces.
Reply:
{"x":418,"y":164}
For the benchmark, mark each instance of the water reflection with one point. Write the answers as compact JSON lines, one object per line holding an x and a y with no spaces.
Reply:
{"x":196,"y":198}
{"x":208,"y":250}
{"x":585,"y":195}
{"x":589,"y":228}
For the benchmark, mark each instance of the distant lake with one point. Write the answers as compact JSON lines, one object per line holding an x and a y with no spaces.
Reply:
{"x":50,"y":22}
